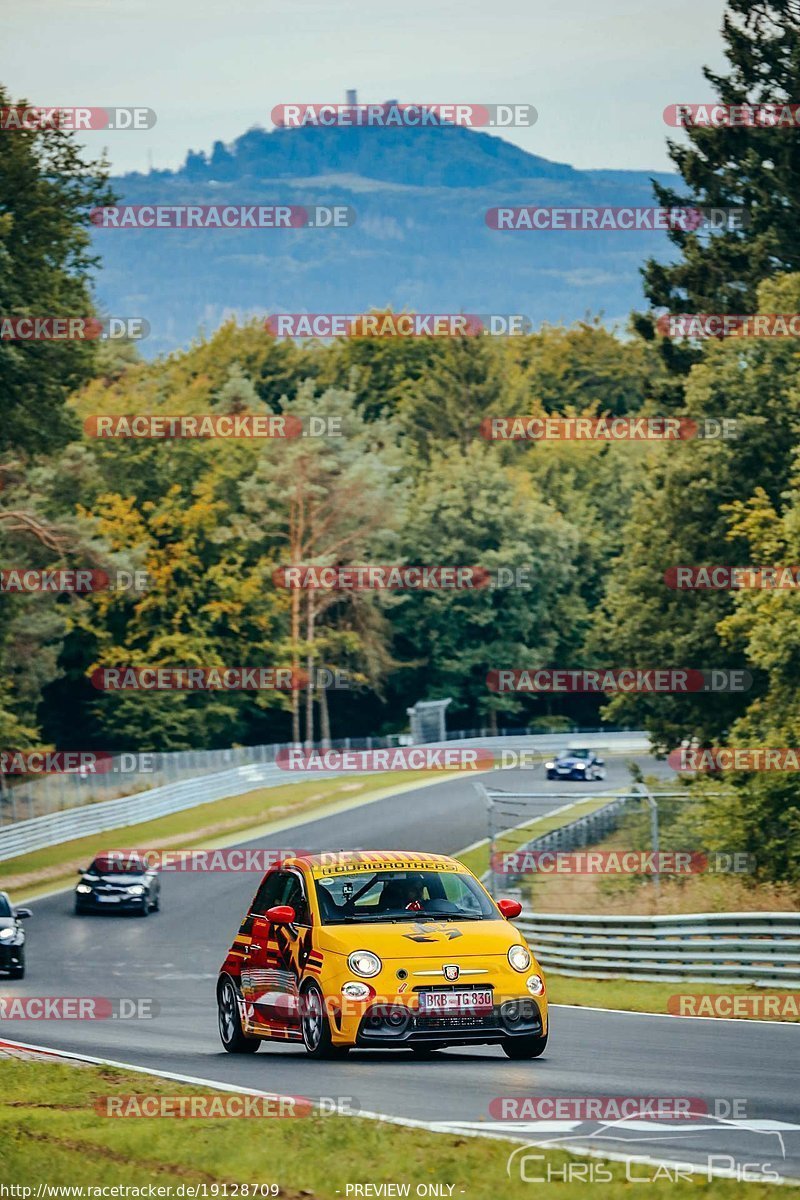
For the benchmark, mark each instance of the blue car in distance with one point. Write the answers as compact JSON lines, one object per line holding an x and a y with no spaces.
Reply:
{"x":577,"y":762}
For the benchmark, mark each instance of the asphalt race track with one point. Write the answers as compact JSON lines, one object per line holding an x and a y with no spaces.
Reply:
{"x":173,"y":957}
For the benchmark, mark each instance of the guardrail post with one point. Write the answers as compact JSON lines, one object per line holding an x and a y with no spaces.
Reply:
{"x":653,"y":806}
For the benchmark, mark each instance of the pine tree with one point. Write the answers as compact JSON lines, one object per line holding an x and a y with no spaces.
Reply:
{"x":756,"y":168}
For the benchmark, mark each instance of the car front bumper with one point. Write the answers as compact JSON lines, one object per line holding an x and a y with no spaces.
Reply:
{"x":11,"y":956}
{"x":91,"y":902}
{"x":400,"y":1025}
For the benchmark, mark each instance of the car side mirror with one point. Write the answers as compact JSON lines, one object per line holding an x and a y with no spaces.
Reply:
{"x":280,"y":914}
{"x":23,"y":913}
{"x":82,"y":870}
{"x":600,"y":762}
{"x":509,"y":908}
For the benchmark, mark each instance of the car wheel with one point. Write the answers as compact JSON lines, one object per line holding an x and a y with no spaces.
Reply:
{"x":230,"y":1025}
{"x":156,"y":905}
{"x":315,"y":1025}
{"x":144,"y":911}
{"x":79,"y":911}
{"x":18,"y":972}
{"x":551,"y":774}
{"x":525,"y":1047}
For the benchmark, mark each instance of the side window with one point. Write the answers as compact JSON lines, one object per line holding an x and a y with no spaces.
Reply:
{"x":270,"y":893}
{"x":296,"y":896}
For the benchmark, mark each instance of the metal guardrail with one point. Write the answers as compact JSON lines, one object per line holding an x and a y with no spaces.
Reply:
{"x":125,"y":773}
{"x":736,"y":948}
{"x":50,"y":830}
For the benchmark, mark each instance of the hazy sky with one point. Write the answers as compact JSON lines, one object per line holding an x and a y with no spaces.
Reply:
{"x":600,"y":72}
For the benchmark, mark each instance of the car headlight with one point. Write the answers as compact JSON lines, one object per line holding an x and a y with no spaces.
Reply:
{"x":535,"y":985}
{"x":83,"y":887}
{"x":549,"y":766}
{"x":136,"y":890}
{"x":7,"y":934}
{"x":519,"y":957}
{"x":364,"y":963}
{"x":579,"y":767}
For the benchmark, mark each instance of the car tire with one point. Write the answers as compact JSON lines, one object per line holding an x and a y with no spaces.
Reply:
{"x":315,"y":1026}
{"x":230,"y":1025}
{"x":18,"y":972}
{"x":79,"y":910}
{"x":156,"y":905}
{"x":551,"y":774}
{"x":525,"y":1047}
{"x":144,"y":911}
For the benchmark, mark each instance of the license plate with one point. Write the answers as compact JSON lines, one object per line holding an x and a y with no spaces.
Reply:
{"x":109,"y":899}
{"x":458,"y":1002}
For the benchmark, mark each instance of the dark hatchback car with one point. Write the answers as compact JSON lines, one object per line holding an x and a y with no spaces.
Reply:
{"x":118,"y":884}
{"x":12,"y":937}
{"x":576,"y":763}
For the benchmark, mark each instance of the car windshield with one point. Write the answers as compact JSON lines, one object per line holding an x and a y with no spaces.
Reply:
{"x":117,"y":866}
{"x":364,"y":896}
{"x":5,"y":907}
{"x":575,"y":754}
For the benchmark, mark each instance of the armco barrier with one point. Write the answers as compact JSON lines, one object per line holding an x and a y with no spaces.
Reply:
{"x":20,"y":837}
{"x":54,"y":828}
{"x":761,"y":948}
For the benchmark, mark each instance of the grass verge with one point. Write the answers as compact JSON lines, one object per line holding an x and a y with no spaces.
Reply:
{"x":653,"y":996}
{"x":52,"y":1134}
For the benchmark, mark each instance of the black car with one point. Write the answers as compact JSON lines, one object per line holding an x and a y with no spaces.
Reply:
{"x":576,"y":764}
{"x":12,"y":937}
{"x":118,"y":884}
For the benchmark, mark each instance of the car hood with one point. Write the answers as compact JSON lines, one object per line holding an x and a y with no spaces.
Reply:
{"x":117,"y":879}
{"x":421,"y":939}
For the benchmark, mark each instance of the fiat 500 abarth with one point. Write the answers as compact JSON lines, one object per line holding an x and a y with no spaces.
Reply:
{"x":380,"y":949}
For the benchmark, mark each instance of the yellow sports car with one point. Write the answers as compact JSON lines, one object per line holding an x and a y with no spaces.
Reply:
{"x":383,"y":948}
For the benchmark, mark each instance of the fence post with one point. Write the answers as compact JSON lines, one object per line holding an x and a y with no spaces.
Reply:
{"x":653,"y":806}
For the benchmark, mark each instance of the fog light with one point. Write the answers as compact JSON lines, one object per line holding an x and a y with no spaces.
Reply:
{"x":357,"y":991}
{"x":535,"y":985}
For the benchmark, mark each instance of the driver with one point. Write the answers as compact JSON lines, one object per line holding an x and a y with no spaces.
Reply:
{"x":404,"y":893}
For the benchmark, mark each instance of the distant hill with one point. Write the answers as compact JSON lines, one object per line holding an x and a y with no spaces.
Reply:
{"x":419,"y":241}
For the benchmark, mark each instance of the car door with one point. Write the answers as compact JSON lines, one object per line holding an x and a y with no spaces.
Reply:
{"x":271,"y":969}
